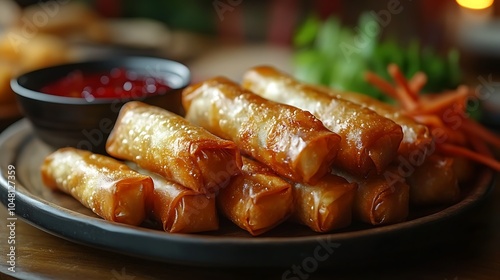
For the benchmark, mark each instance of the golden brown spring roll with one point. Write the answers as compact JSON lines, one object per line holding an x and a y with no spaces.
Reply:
{"x":165,"y":143}
{"x":256,"y":200}
{"x":380,"y":199}
{"x":369,"y":141}
{"x":108,"y":187}
{"x":416,"y":136}
{"x":326,"y":205}
{"x":290,"y":141}
{"x":434,"y":182}
{"x":464,"y":169}
{"x":180,"y":209}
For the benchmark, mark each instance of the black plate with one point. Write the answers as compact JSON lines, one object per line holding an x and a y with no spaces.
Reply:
{"x":285,"y":245}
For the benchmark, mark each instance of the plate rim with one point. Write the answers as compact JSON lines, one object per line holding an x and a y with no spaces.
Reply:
{"x":29,"y":203}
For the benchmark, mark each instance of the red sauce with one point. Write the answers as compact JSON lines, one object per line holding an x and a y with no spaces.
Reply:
{"x":118,"y":83}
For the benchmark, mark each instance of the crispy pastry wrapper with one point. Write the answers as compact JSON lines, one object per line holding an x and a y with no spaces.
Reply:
{"x":380,"y":199}
{"x":369,"y":141}
{"x":464,"y":169}
{"x":290,"y":141}
{"x":179,"y":209}
{"x":326,"y":205}
{"x":256,"y":200}
{"x":165,"y":143}
{"x":416,"y":136}
{"x":108,"y":187}
{"x":434,"y":182}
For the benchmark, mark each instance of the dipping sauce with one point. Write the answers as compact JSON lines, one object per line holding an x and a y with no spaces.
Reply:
{"x":118,"y":83}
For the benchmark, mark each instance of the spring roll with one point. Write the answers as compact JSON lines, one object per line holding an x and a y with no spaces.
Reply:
{"x":167,"y":144}
{"x":108,"y":187}
{"x":464,"y":169}
{"x":257,"y":200}
{"x":380,"y":199}
{"x":326,"y":205}
{"x":416,"y":136}
{"x":369,"y":141}
{"x":290,"y":141}
{"x":180,"y":209}
{"x":434,"y":182}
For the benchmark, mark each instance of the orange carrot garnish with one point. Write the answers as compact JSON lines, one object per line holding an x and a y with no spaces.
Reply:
{"x":439,"y":128}
{"x":381,"y":84}
{"x":429,"y":120}
{"x":444,"y":101}
{"x":481,"y":147}
{"x":405,"y":100}
{"x":407,"y":95}
{"x":418,"y":82}
{"x":463,"y":137}
{"x":453,"y":150}
{"x":474,"y":130}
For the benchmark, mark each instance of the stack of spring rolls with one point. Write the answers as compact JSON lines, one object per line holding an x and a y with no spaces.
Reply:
{"x":180,"y":168}
{"x":269,"y":150}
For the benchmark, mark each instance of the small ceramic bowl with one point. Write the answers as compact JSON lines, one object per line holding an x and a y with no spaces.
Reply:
{"x":84,"y":122}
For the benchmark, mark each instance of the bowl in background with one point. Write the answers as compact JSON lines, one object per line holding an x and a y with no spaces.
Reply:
{"x":85,"y":123}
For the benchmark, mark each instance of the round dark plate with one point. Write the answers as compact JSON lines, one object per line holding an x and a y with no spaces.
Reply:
{"x":285,"y":246}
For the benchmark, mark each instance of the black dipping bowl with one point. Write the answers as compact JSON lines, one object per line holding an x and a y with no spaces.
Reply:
{"x":71,"y":121}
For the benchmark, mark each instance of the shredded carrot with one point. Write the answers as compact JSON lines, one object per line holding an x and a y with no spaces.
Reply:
{"x":405,"y":99}
{"x":407,"y":95}
{"x":417,"y":82}
{"x":439,"y":128}
{"x":453,"y":150}
{"x":381,"y":84}
{"x":429,"y":120}
{"x":474,"y":130}
{"x":481,"y":147}
{"x":464,"y":138}
{"x":444,"y":101}
{"x":452,"y":136}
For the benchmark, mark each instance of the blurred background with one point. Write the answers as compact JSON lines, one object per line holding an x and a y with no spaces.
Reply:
{"x":323,"y":41}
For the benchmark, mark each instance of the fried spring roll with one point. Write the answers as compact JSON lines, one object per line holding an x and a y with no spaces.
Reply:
{"x":464,"y":169}
{"x":369,"y":141}
{"x":434,"y":182}
{"x":290,"y":141}
{"x":257,"y":200}
{"x":380,"y":199}
{"x":326,"y":205}
{"x":108,"y":187}
{"x":416,"y":136}
{"x":165,"y":143}
{"x":180,"y":209}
